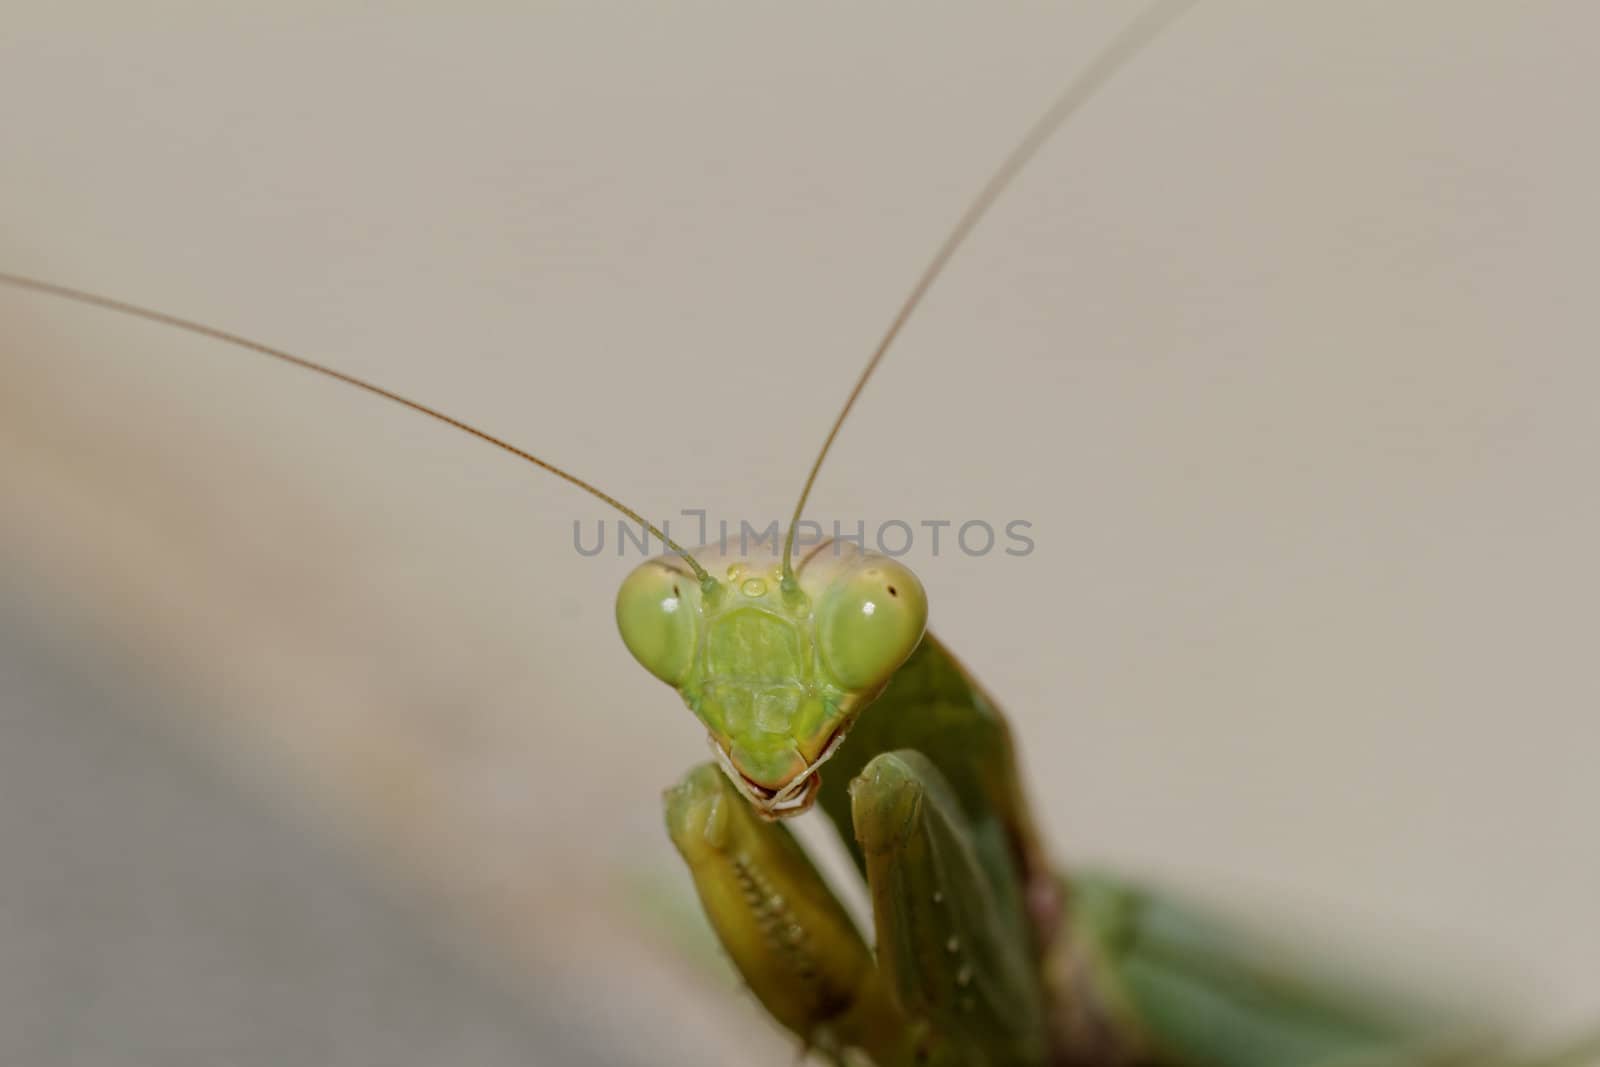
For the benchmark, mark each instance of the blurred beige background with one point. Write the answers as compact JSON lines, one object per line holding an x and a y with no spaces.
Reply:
{"x":1285,"y":348}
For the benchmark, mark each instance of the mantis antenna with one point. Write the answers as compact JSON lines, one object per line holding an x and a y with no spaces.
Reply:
{"x":1144,"y":29}
{"x":122,"y":307}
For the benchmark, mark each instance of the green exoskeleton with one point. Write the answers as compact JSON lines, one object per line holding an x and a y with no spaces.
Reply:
{"x":818,"y":683}
{"x":981,"y":953}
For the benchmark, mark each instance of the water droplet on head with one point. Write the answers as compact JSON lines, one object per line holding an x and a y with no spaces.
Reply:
{"x":754,"y":587}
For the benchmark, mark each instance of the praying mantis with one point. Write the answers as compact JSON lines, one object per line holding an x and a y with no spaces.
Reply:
{"x":717,"y":783}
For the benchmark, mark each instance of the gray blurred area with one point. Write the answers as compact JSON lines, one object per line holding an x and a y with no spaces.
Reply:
{"x":153,"y":911}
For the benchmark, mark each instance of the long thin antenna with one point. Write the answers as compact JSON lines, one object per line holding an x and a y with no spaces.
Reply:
{"x":95,"y":300}
{"x":1127,"y":44}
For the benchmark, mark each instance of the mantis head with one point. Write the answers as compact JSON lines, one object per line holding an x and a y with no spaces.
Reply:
{"x":777,"y":672}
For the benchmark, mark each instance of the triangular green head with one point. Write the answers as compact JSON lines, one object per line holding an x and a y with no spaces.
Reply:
{"x":776,"y":673}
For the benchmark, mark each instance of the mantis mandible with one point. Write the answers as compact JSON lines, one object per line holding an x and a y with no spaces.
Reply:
{"x":975,"y":853}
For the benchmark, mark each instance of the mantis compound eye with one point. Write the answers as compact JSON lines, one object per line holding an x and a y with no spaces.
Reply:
{"x":658,"y":612}
{"x":869,"y":620}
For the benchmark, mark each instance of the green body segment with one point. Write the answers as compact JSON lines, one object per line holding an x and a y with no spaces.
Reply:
{"x":934,"y":707}
{"x":1192,"y":991}
{"x":787,"y":934}
{"x":983,"y":956}
{"x":759,"y":687}
{"x":951,"y":935}
{"x":776,"y":672}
